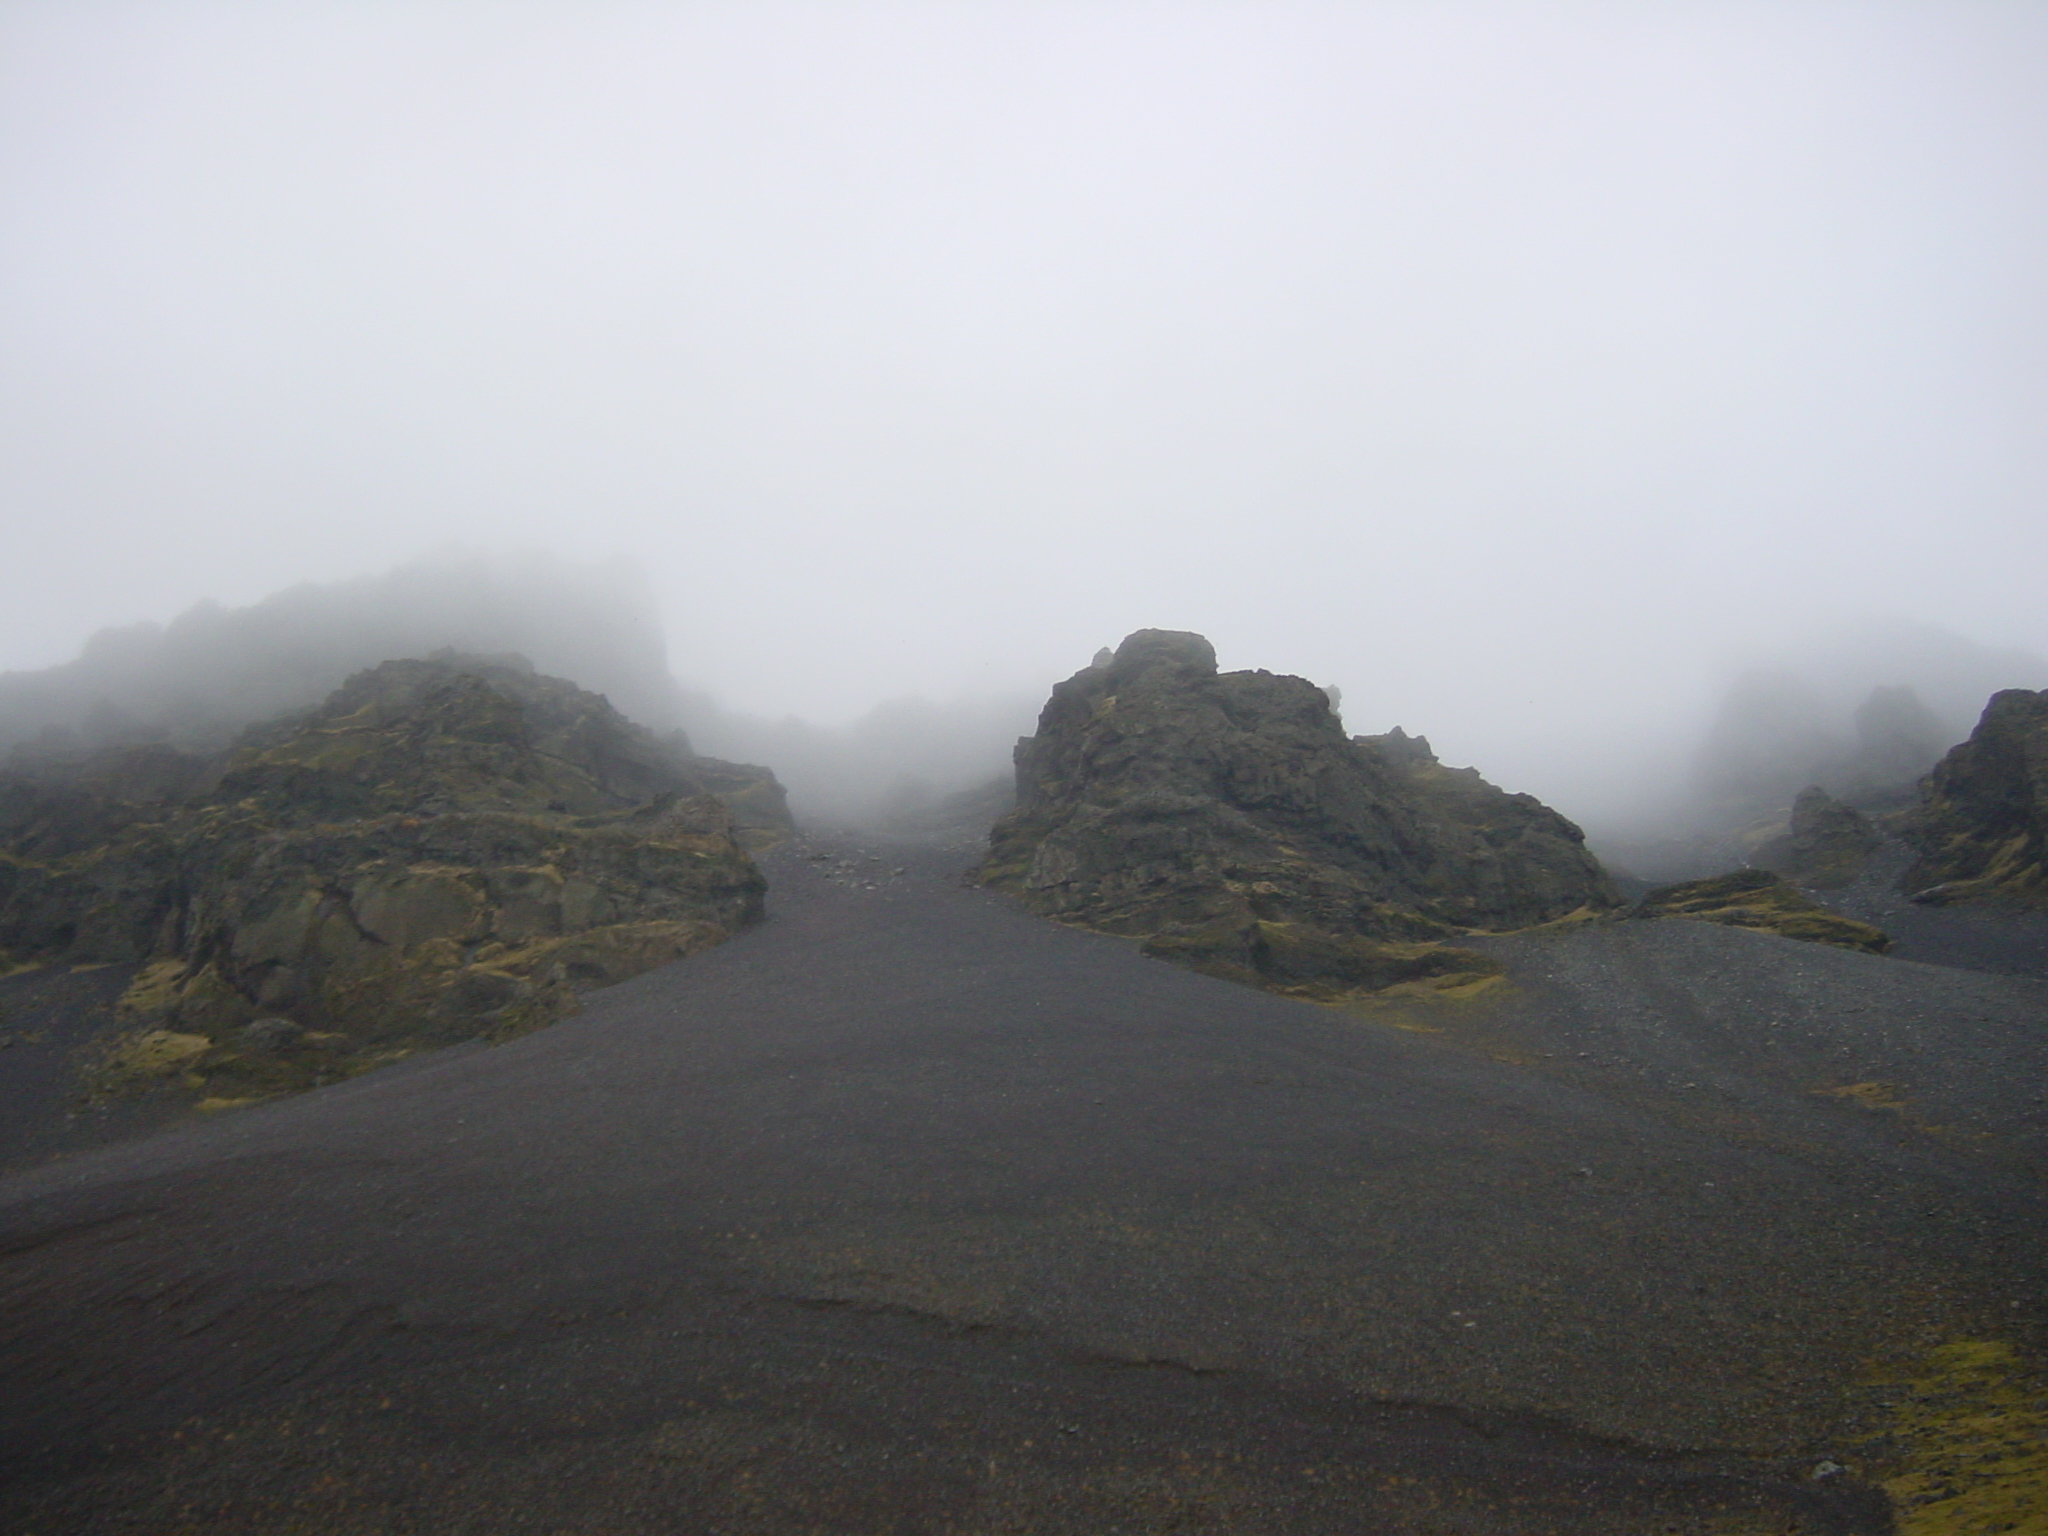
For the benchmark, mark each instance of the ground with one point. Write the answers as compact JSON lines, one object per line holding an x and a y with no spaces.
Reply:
{"x":907,"y":1211}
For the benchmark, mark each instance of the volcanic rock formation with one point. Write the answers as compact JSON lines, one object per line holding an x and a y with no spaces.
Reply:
{"x":1827,"y":843}
{"x":1981,"y":829}
{"x":1228,"y":820}
{"x":444,"y":849}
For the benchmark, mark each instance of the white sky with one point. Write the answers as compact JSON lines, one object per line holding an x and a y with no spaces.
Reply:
{"x":1505,"y":364}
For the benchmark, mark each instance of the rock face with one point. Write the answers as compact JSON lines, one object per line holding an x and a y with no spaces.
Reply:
{"x":444,"y":849}
{"x":1758,"y":898}
{"x":1827,"y":844}
{"x":1228,"y":820}
{"x":1981,"y":828}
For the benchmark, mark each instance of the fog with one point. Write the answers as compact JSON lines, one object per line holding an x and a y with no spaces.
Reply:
{"x":1535,"y":373}
{"x":196,"y":681}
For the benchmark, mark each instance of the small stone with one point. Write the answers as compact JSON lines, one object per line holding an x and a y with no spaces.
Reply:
{"x":271,"y":1034}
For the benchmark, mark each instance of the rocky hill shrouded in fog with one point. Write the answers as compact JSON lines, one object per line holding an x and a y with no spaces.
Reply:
{"x":194,"y":682}
{"x":443,"y":849}
{"x":1861,"y":713}
{"x":1974,"y":833}
{"x":1228,"y":820}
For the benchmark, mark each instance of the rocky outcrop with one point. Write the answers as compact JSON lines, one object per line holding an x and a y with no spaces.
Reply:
{"x":1826,"y":845}
{"x":1758,"y":898}
{"x":481,"y":734}
{"x":1981,"y":829}
{"x":1228,"y":820}
{"x":197,"y":681}
{"x":444,"y":849}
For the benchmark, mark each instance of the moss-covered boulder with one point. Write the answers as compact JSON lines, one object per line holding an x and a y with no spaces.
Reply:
{"x":1305,"y":961}
{"x":1762,"y":899}
{"x":443,"y":850}
{"x":1227,"y":820}
{"x":1981,"y":828}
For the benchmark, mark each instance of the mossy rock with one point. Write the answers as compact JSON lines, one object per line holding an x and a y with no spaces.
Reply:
{"x":1228,"y":821}
{"x":432,"y":855}
{"x":1981,"y":829}
{"x":1825,"y":844}
{"x":1304,"y":961}
{"x":1761,"y":899}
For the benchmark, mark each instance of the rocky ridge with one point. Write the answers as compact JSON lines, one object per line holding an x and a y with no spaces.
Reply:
{"x":1981,"y":828}
{"x":1825,"y":844}
{"x":1227,"y":821}
{"x":444,"y":849}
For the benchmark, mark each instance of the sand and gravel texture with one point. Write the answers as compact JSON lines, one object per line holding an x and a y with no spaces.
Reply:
{"x":908,"y":1212}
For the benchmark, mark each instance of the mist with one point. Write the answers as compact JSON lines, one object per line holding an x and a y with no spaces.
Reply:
{"x":1535,"y":374}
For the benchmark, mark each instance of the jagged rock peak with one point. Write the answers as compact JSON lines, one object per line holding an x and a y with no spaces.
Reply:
{"x":1228,"y":819}
{"x":1398,"y":745}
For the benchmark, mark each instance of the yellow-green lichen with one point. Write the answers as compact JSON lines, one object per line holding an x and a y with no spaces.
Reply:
{"x":1967,"y":1447}
{"x":151,"y":1054}
{"x":154,"y":990}
{"x":1866,"y":1095}
{"x":1756,"y":898}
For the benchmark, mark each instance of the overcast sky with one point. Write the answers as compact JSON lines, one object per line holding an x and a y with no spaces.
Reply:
{"x":1496,"y":362}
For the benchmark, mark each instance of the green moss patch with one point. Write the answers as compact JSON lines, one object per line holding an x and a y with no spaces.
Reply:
{"x":1966,"y":1448}
{"x":1757,"y":898}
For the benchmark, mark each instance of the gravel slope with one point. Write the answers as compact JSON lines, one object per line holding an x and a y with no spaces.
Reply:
{"x":907,"y":1212}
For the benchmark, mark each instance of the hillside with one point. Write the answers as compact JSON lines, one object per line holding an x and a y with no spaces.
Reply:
{"x":443,"y":849}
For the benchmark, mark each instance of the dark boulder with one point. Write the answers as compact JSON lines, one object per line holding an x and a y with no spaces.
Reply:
{"x":1827,"y":843}
{"x":1227,"y":819}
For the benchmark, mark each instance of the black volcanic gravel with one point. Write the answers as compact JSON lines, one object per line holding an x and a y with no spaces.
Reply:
{"x":908,"y":1212}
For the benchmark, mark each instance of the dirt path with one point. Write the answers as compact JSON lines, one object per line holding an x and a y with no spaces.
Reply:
{"x":907,"y":1212}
